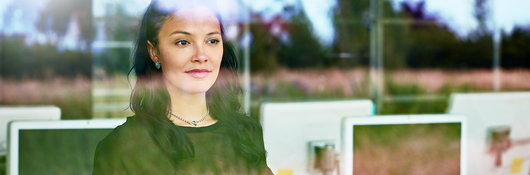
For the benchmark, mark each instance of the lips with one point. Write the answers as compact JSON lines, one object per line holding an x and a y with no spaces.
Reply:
{"x":198,"y":73}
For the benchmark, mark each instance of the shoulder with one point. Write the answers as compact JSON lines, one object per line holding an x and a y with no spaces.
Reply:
{"x":130,"y":133}
{"x":128,"y":130}
{"x":128,"y":149}
{"x":248,"y":128}
{"x":132,"y":127}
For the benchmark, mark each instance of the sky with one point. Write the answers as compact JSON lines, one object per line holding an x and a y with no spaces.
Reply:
{"x":457,"y":14}
{"x":22,"y":15}
{"x":505,"y":14}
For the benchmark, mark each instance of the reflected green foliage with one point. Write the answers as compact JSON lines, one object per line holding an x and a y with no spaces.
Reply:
{"x":352,"y":34}
{"x":413,"y":38}
{"x":515,"y":48}
{"x":415,"y":107}
{"x":433,"y":106}
{"x":396,"y":46}
{"x":289,"y":91}
{"x":118,"y":26}
{"x":40,"y":61}
{"x":56,"y":17}
{"x":303,"y":50}
{"x":47,"y":59}
{"x":439,"y":47}
{"x":300,"y":49}
{"x":115,"y":60}
{"x":264,"y":47}
{"x":76,"y":106}
{"x":395,"y":88}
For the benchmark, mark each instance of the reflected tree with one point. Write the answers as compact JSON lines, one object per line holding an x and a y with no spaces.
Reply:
{"x":288,"y":43}
{"x":302,"y":49}
{"x":352,"y":32}
{"x":119,"y":26}
{"x":264,"y":46}
{"x":352,"y":24}
{"x":57,"y":15}
{"x":480,"y":13}
{"x":515,"y":48}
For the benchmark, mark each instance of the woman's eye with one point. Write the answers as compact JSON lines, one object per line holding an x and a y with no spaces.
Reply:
{"x":213,"y":41}
{"x":182,"y":42}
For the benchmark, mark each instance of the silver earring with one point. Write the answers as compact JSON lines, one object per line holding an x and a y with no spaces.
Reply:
{"x":157,"y":65}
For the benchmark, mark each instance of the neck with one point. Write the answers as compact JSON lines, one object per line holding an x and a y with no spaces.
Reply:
{"x":189,"y":106}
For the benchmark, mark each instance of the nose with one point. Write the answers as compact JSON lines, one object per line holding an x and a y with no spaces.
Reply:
{"x":199,"y":56}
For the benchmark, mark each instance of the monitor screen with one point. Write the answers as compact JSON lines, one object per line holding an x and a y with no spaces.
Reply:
{"x":432,"y":148}
{"x":58,"y":151}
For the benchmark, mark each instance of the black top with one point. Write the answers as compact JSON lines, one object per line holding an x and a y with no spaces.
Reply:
{"x":134,"y":149}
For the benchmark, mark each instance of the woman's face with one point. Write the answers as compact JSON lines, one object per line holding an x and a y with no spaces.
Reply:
{"x":189,"y":50}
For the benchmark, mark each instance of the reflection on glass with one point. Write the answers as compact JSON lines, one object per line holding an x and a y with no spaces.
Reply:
{"x":407,"y":149}
{"x":40,"y":152}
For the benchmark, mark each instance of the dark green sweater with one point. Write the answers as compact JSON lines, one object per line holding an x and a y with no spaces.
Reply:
{"x":132,"y":148}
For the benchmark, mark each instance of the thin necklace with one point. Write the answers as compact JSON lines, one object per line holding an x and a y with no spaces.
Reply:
{"x":191,"y":122}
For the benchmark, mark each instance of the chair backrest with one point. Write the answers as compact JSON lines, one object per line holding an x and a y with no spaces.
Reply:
{"x":495,"y":118}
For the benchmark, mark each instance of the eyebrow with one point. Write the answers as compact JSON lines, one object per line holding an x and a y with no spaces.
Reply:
{"x":187,"y":33}
{"x":181,"y":32}
{"x":213,"y":33}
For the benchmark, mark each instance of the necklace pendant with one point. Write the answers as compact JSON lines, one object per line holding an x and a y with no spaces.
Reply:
{"x":194,"y":123}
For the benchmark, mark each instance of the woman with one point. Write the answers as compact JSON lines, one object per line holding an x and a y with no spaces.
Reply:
{"x":187,"y":114}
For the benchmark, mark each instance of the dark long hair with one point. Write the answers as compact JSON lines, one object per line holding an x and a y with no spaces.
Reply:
{"x":150,"y":98}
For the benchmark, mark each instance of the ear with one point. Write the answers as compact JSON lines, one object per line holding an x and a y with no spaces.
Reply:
{"x":152,"y":51}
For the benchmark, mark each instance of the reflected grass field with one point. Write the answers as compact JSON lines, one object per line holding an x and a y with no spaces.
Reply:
{"x":74,"y":96}
{"x":338,"y":84}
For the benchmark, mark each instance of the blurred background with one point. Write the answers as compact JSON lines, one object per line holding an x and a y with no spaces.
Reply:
{"x":407,"y":56}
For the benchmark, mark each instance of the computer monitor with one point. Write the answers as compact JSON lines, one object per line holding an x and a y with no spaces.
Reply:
{"x":55,"y":147}
{"x":404,"y":144}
